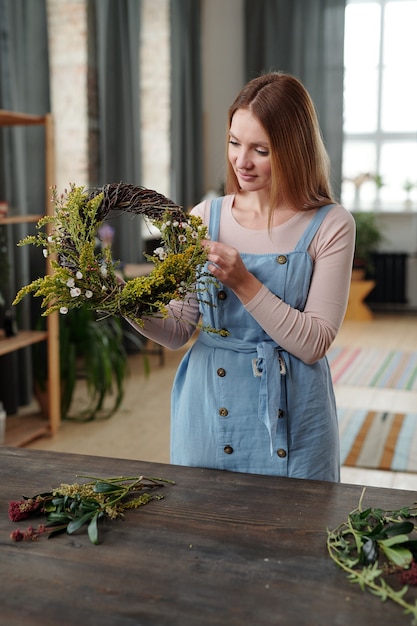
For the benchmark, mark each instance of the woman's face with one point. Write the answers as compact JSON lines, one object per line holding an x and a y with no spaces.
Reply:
{"x":249,"y":151}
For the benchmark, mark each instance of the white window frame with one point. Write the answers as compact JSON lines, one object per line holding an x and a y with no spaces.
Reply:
{"x":379,"y":137}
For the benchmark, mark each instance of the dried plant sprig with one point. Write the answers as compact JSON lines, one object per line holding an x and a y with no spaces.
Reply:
{"x":70,"y":507}
{"x":85,"y":274}
{"x":377,"y":548}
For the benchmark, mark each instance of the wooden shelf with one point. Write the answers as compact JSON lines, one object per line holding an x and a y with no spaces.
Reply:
{"x":19,"y":219}
{"x":22,"y":428}
{"x":11,"y":118}
{"x":21,"y":340}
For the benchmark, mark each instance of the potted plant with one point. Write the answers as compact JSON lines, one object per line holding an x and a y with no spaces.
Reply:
{"x":368,"y":236}
{"x":93,"y":350}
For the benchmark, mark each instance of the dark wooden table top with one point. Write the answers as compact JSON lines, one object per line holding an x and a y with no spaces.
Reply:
{"x":221,"y":548}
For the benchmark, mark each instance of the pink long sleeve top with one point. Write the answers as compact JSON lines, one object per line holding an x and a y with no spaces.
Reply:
{"x":306,"y":334}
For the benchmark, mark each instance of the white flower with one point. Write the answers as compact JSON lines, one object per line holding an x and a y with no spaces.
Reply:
{"x":88,"y":293}
{"x":50,"y":239}
{"x":75,"y":292}
{"x":104,"y":288}
{"x":63,"y":310}
{"x":194,"y":234}
{"x":45,"y":252}
{"x":182,"y":238}
{"x":175,"y":224}
{"x":161,"y":253}
{"x":103,"y":270}
{"x":79,"y":275}
{"x":70,"y":282}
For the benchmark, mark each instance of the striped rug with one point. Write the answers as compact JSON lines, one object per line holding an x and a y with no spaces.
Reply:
{"x":373,"y":367}
{"x":378,"y":440}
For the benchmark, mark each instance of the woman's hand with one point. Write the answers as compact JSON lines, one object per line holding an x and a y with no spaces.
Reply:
{"x":225,"y":263}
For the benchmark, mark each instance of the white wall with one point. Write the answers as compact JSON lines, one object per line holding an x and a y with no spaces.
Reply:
{"x":155,"y":64}
{"x":67,"y":31}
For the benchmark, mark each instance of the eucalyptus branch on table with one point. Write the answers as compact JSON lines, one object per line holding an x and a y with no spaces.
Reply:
{"x":70,"y":507}
{"x":377,"y":549}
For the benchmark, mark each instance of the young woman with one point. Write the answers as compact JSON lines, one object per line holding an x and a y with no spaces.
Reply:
{"x":261,"y":399}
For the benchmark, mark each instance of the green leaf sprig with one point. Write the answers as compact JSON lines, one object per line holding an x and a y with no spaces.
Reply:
{"x":70,"y":507}
{"x":377,"y":549}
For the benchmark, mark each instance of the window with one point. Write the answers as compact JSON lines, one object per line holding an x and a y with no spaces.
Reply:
{"x":380,"y":104}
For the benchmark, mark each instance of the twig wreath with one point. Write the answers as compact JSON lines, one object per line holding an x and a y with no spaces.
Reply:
{"x":85,"y":274}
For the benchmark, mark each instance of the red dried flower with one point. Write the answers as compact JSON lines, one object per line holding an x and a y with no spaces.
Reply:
{"x":409,"y":576}
{"x":30,"y":534}
{"x":16,"y":535}
{"x":22,"y":509}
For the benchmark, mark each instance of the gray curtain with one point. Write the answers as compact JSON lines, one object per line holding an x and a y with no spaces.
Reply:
{"x":117,"y":61}
{"x":24,"y":87}
{"x":305,"y":38}
{"x":186,"y":103}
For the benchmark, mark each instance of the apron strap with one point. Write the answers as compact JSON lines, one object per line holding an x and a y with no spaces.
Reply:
{"x":312,"y":228}
{"x":214,"y":225}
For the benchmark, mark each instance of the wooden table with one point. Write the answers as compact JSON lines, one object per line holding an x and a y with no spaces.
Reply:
{"x":220,"y":549}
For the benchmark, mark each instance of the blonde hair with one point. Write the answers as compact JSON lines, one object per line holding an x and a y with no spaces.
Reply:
{"x":300,"y":168}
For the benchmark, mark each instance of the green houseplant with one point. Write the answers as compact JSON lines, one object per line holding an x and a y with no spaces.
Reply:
{"x":368,"y":236}
{"x":91,"y":349}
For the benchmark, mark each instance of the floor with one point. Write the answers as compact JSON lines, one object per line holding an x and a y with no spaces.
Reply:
{"x":140,"y":429}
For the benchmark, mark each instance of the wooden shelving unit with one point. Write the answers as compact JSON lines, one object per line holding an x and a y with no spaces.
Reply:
{"x":22,"y":429}
{"x":21,"y":340}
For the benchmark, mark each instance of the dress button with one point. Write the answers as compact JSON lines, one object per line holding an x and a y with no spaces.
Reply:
{"x":221,"y":372}
{"x":282,"y":259}
{"x":281,"y":453}
{"x":280,"y":413}
{"x":228,"y":449}
{"x":222,"y":295}
{"x":223,"y":412}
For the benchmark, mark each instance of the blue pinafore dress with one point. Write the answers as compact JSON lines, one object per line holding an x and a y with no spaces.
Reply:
{"x":241,"y":402}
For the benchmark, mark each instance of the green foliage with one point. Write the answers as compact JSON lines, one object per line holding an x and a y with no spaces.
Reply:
{"x":4,"y":263}
{"x":70,"y":507}
{"x":373,"y":545}
{"x":92,"y":349}
{"x":368,"y":237}
{"x":97,"y":346}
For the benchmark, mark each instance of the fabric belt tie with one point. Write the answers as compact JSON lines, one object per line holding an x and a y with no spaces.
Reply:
{"x":264,"y":366}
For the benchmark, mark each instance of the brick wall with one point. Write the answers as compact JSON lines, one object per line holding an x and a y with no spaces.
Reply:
{"x":73,"y":93}
{"x":67,"y":27}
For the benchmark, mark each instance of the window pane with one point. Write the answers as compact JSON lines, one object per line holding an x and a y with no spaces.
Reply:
{"x":399,"y":95}
{"x":398,"y":164}
{"x":360,"y":101}
{"x":359,"y":163}
{"x":399,"y":101}
{"x":362,"y":32}
{"x":380,"y":103}
{"x":400,"y":42}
